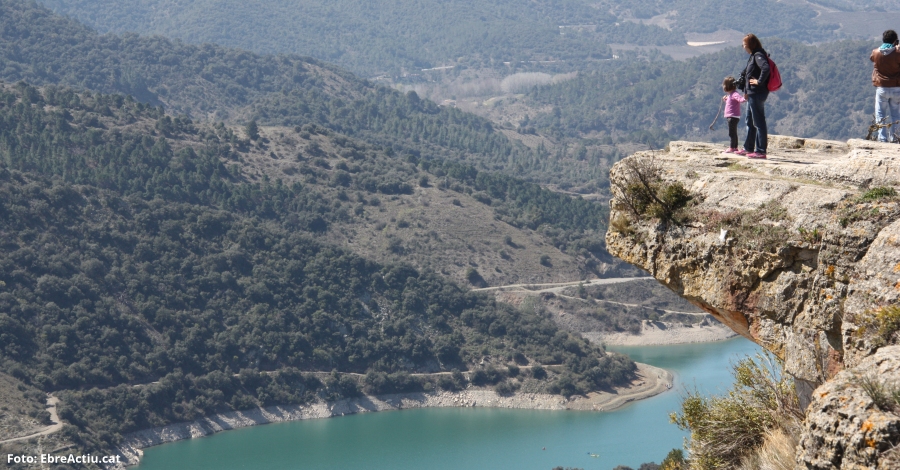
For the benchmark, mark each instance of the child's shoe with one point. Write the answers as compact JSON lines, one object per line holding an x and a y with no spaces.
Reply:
{"x":730,"y":150}
{"x":741,"y":152}
{"x":757,"y":155}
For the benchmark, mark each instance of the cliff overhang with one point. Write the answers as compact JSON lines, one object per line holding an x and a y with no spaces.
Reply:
{"x":799,"y":252}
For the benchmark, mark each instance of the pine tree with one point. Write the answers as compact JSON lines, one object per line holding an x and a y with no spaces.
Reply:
{"x":252,"y":130}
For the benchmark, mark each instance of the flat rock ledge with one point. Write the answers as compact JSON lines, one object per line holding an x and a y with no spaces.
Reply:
{"x":650,"y":381}
{"x":798,"y":299}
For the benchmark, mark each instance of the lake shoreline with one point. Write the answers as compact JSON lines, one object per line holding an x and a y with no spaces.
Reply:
{"x":650,"y":381}
{"x":663,"y":334}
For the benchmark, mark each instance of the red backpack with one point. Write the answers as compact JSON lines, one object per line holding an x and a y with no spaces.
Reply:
{"x":774,"y":76}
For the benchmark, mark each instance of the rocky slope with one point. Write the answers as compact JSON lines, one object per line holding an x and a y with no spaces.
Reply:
{"x":799,"y":253}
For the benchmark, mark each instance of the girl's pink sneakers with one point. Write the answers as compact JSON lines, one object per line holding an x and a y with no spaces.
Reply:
{"x":760,"y":156}
{"x":730,"y":150}
{"x":741,"y":152}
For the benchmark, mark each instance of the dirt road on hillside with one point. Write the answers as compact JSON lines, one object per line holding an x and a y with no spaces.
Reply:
{"x":54,"y":418}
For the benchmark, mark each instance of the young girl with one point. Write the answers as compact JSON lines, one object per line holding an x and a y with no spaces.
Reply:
{"x":733,"y":102}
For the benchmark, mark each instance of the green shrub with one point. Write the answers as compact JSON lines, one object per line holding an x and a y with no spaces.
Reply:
{"x":671,"y":197}
{"x":474,"y":277}
{"x":447,"y":382}
{"x":379,"y":383}
{"x":644,"y":193}
{"x":252,"y":130}
{"x":503,"y":389}
{"x":878,"y":193}
{"x":488,"y":376}
{"x":674,"y":460}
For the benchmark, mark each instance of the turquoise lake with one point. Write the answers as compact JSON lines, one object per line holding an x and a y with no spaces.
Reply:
{"x":467,"y":438}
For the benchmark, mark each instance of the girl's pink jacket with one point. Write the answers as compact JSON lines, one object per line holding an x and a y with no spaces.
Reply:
{"x":733,"y":104}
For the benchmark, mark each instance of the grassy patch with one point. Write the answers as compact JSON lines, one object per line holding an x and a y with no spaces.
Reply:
{"x":762,"y":229}
{"x":741,"y":167}
{"x":868,"y":206}
{"x":621,"y":224}
{"x":810,"y":236}
{"x":886,"y":396}
{"x":880,"y":326}
{"x":880,"y":192}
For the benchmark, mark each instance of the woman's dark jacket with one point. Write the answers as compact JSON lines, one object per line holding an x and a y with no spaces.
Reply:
{"x":758,"y":68}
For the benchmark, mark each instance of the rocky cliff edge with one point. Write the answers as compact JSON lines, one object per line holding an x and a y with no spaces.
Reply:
{"x":799,"y":253}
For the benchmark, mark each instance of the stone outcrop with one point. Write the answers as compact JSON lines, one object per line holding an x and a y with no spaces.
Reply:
{"x":786,"y":251}
{"x":845,"y":428}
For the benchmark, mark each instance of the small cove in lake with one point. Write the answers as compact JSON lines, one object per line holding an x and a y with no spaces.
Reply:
{"x":472,"y":438}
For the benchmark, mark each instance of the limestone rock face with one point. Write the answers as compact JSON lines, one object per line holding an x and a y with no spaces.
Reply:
{"x":785,"y":251}
{"x":844,"y":426}
{"x":797,"y":297}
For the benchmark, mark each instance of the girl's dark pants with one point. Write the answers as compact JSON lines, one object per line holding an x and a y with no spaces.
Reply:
{"x":757,"y":132}
{"x":732,"y":131}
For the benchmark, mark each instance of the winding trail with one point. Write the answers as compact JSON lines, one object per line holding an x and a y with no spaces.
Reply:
{"x":54,"y":418}
{"x":326,"y":374}
{"x":558,"y":286}
{"x":652,"y":333}
{"x":678,"y":312}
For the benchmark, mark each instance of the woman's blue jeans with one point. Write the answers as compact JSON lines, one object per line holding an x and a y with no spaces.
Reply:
{"x":757,"y":132}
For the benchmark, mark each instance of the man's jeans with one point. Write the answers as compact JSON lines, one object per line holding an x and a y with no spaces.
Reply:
{"x":887,"y":107}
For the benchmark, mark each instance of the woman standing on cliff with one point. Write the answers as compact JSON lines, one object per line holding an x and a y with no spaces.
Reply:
{"x":754,"y":81}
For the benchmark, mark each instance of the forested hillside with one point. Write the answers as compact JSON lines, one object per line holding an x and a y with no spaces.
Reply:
{"x":210,"y":82}
{"x":789,"y":20}
{"x":157,"y":268}
{"x":827,"y":93}
{"x":621,"y":101}
{"x":380,"y":36}
{"x":137,"y":248}
{"x":215,"y":82}
{"x":396,"y":37}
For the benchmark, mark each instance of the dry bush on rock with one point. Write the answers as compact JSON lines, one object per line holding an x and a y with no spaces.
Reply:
{"x":644,"y":194}
{"x":726,"y":430}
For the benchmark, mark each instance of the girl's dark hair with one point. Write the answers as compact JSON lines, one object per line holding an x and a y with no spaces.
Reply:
{"x":728,"y":84}
{"x":752,"y":42}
